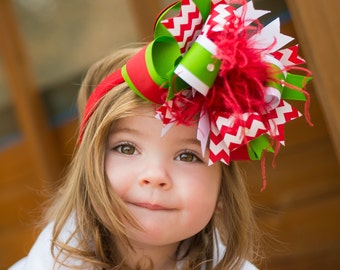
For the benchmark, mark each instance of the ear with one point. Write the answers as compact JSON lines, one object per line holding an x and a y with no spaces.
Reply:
{"x":219,"y":206}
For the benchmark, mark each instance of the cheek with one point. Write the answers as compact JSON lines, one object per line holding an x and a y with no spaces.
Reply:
{"x":203,"y":198}
{"x":200,"y":209}
{"x":202,"y":192}
{"x":118,"y":178}
{"x":207,"y":184}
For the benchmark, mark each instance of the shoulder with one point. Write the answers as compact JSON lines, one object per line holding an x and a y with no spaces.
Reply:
{"x":40,"y":256}
{"x":248,"y":266}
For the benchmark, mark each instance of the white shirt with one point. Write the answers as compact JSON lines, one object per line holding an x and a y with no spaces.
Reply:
{"x":40,"y":257}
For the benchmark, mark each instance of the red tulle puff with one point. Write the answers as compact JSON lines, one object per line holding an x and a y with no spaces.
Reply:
{"x":185,"y":107}
{"x":240,"y":84}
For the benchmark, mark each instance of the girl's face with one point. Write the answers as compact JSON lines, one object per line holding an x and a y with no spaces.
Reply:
{"x":165,"y":182}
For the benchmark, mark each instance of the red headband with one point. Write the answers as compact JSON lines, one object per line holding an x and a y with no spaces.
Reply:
{"x":105,"y":86}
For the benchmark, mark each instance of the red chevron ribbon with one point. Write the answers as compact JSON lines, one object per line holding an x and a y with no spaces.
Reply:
{"x":289,"y":56}
{"x":186,"y":26}
{"x":230,"y":134}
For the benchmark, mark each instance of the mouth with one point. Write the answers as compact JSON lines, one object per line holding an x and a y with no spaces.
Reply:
{"x":154,"y":207}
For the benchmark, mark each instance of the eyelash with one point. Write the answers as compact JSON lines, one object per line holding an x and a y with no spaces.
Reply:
{"x":194,"y":156}
{"x":119,"y":148}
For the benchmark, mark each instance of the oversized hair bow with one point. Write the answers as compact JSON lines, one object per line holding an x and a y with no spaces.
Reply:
{"x":215,"y":63}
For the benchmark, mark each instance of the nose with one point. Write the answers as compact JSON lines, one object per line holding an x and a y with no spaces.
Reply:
{"x":155,"y":175}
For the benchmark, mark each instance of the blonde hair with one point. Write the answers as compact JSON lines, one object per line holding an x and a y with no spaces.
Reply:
{"x":100,"y":214}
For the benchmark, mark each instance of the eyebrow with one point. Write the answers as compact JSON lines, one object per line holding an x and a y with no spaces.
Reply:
{"x":117,"y":129}
{"x":191,"y":141}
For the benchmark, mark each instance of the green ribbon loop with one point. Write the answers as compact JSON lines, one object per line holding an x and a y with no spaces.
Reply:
{"x":276,"y":77}
{"x":204,"y":7}
{"x":160,"y":30}
{"x":149,"y":73}
{"x":161,"y":68}
{"x":199,"y":68}
{"x":257,"y":146}
{"x":298,"y":81}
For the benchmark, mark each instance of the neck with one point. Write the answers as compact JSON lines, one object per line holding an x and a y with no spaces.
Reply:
{"x":161,"y":257}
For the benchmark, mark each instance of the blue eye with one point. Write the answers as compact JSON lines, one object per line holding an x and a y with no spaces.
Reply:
{"x":126,"y":149}
{"x":188,"y":156}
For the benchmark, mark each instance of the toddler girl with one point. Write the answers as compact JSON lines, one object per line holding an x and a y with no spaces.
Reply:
{"x":154,"y":183}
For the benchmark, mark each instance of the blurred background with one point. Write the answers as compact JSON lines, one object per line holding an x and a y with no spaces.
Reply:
{"x":47,"y":45}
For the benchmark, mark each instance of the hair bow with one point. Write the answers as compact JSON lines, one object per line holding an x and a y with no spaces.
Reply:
{"x":216,"y":63}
